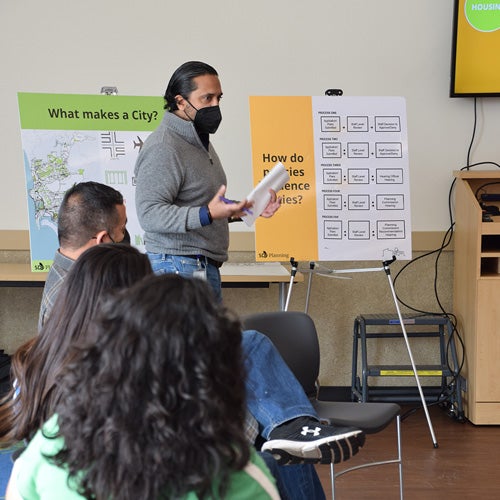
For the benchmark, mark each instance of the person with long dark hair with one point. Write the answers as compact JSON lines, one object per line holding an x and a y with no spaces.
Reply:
{"x":38,"y":364}
{"x":151,"y":406}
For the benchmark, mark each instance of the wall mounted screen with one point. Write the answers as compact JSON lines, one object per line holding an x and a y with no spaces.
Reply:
{"x":475,"y":67}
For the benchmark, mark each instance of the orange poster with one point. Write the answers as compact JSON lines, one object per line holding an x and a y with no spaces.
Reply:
{"x":282,"y":132}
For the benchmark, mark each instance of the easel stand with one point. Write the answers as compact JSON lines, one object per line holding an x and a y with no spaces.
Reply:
{"x":293,"y":273}
{"x":385,"y":267}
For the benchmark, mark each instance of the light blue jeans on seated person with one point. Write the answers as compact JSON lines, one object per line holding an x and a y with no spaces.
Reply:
{"x":274,"y":395}
{"x":185,"y":266}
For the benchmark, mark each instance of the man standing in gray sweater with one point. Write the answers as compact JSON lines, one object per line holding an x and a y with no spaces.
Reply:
{"x":180,"y":188}
{"x":180,"y":182}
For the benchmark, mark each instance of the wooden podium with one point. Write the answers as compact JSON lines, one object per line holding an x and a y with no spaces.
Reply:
{"x":476,"y":293}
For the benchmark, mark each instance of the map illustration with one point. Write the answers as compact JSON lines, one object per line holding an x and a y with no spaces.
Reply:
{"x":56,"y":160}
{"x":50,"y":174}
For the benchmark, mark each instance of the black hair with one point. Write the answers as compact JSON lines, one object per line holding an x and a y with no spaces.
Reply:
{"x":182,"y":81}
{"x":86,"y":209}
{"x":38,"y":363}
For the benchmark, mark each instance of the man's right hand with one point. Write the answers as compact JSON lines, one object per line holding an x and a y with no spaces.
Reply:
{"x":220,"y":209}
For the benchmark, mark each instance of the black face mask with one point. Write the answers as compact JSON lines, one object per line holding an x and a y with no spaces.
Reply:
{"x":207,"y":120}
{"x":125,"y":240}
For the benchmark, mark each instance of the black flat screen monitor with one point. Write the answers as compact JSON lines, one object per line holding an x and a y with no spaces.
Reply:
{"x":475,"y":65}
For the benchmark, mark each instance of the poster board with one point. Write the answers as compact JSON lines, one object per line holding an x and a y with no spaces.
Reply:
{"x":348,"y":197}
{"x":70,"y":138}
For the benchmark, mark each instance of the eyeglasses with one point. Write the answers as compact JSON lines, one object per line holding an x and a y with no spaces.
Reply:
{"x":109,"y":236}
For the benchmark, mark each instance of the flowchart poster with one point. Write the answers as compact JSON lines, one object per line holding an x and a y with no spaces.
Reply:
{"x":70,"y":138}
{"x":349,"y":194}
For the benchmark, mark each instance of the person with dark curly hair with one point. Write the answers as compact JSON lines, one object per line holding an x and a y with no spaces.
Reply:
{"x":152,"y":406}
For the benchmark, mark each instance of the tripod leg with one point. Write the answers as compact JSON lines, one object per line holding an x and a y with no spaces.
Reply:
{"x":309,"y":284}
{"x":405,"y":335}
{"x":295,"y":266}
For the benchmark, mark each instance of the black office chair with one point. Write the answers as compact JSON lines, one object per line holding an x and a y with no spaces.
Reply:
{"x":295,"y":337}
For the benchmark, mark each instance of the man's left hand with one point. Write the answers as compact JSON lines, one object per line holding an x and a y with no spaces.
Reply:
{"x":272,"y":206}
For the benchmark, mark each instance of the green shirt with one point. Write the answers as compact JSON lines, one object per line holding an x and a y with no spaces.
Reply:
{"x":38,"y":478}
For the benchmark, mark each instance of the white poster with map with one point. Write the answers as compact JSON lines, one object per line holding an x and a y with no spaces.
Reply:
{"x":74,"y":138}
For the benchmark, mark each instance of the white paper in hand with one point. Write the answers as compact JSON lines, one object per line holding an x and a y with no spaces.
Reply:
{"x":260,"y":195}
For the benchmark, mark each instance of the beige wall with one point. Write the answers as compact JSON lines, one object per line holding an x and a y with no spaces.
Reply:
{"x":335,"y":303}
{"x":18,"y":306}
{"x":279,"y":47}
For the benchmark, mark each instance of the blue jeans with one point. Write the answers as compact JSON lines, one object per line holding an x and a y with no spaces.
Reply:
{"x":274,"y":395}
{"x":163,"y":263}
{"x":295,"y":482}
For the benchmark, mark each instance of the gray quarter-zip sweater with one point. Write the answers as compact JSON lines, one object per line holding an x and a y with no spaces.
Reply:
{"x":175,"y":176}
